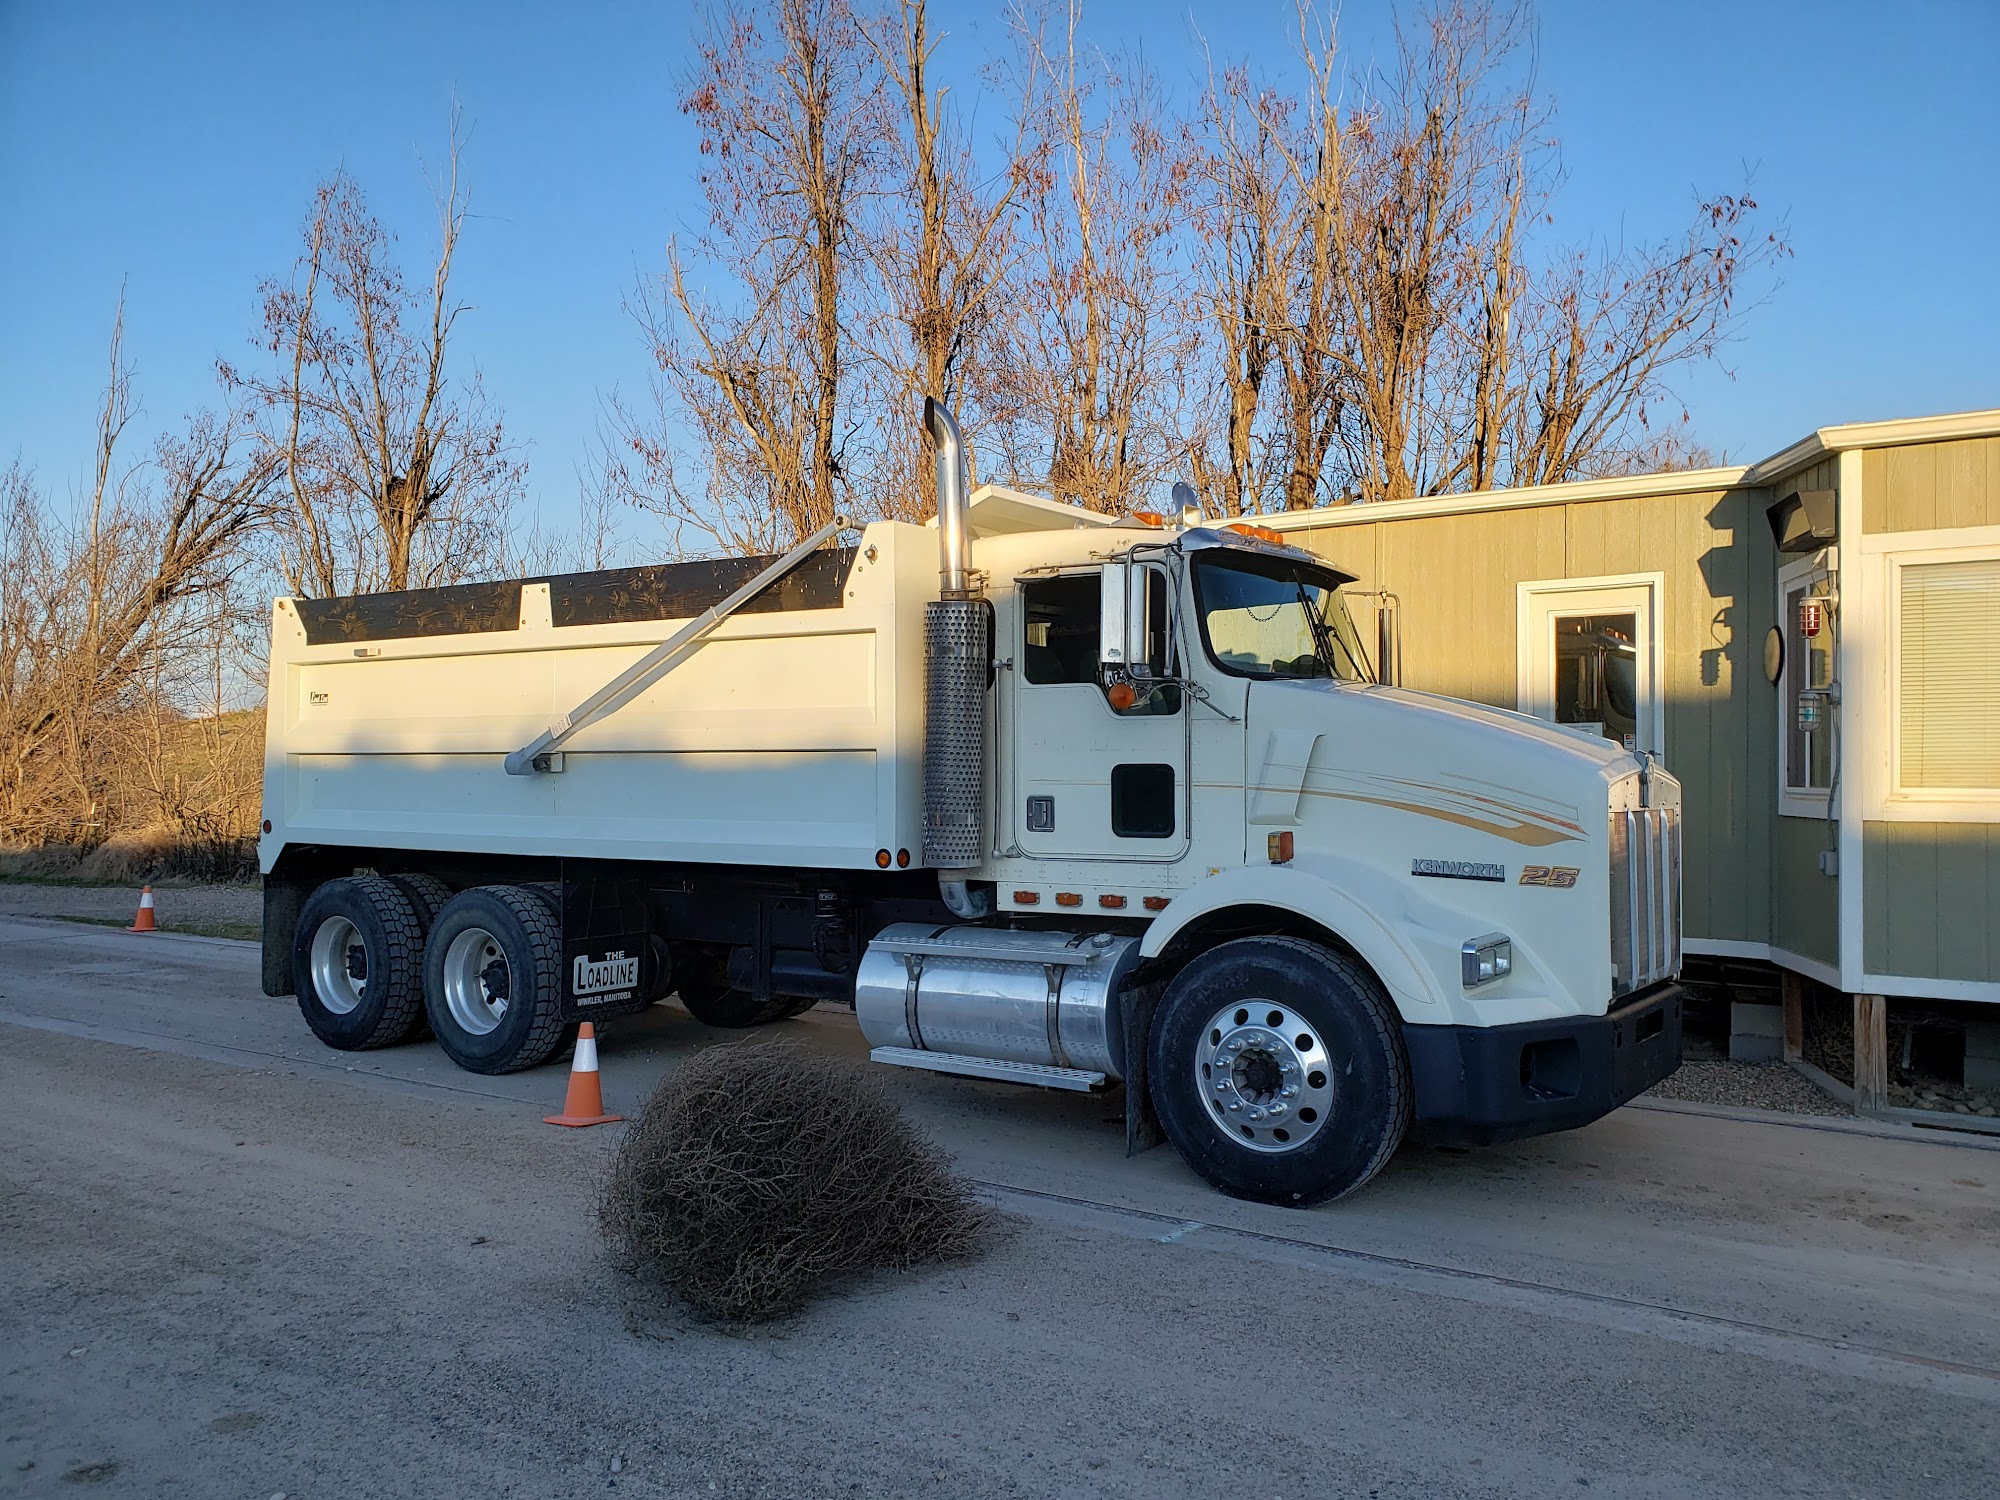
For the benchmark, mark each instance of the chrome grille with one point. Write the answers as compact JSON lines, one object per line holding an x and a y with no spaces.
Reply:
{"x":1645,"y":897}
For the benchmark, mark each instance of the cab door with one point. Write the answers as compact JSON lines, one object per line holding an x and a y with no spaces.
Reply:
{"x":1090,"y":781}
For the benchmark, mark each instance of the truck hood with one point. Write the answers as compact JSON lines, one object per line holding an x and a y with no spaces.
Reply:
{"x":1518,"y":778}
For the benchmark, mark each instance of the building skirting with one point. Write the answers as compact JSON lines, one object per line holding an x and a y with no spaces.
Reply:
{"x":1906,"y":986}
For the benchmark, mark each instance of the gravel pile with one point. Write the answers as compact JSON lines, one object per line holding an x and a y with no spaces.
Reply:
{"x":1945,"y":1098}
{"x":1772,"y":1085}
{"x":235,"y":911}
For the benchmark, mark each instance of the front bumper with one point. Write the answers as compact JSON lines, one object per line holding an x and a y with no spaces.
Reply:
{"x":1476,"y":1085}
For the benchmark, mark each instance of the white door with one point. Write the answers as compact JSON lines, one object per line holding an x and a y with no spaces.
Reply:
{"x":1590,"y":658}
{"x":1091,"y":781}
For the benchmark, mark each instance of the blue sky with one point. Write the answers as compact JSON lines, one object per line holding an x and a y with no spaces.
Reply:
{"x":175,"y":148}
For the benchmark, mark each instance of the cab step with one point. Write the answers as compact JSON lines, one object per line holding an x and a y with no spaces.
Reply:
{"x":985,"y":1067}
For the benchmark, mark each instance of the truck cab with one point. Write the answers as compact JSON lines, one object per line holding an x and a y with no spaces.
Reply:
{"x":1188,"y":735}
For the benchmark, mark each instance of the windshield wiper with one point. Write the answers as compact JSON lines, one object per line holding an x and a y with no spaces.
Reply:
{"x":1324,"y":639}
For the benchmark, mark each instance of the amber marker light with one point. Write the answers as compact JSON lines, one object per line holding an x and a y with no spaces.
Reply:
{"x":882,"y":858}
{"x":1122,"y":695}
{"x":1279,"y":847}
{"x":1156,"y":903}
{"x":1069,"y":898}
{"x":1149,"y":518}
{"x":902,"y":859}
{"x":1027,"y":898}
{"x":1111,"y":903}
{"x":1261,"y":533}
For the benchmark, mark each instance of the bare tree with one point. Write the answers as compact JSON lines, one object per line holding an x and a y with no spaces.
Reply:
{"x":942,"y":240}
{"x":788,"y":105}
{"x":1083,"y":385}
{"x":96,"y":611}
{"x":401,"y":474}
{"x":1467,"y":357}
{"x":1243,"y":220}
{"x":1387,"y":318}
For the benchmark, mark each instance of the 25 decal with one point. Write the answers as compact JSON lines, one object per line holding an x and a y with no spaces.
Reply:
{"x":1557,"y":877}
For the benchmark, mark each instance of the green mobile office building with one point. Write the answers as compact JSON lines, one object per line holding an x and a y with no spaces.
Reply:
{"x":1810,"y":643}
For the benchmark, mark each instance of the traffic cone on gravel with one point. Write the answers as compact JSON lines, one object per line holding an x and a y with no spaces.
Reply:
{"x":584,"y":1105}
{"x":144,"y":921}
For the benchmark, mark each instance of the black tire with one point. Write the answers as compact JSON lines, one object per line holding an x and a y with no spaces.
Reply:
{"x":495,"y":1003}
{"x":357,"y":963}
{"x":1226,"y":1111}
{"x":428,"y":894}
{"x":701,"y":984}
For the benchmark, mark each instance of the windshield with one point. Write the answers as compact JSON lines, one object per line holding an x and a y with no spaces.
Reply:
{"x":1271,"y":617}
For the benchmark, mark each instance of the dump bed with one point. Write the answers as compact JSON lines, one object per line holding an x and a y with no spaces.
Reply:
{"x":793,"y":735}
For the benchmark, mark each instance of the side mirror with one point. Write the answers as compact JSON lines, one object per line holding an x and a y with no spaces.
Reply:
{"x":1121,"y":633}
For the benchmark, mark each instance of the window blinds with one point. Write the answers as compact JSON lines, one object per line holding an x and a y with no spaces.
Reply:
{"x":1949,"y":686}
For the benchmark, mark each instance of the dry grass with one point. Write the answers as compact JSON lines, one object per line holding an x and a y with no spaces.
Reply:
{"x":135,"y":857}
{"x":760,"y":1176}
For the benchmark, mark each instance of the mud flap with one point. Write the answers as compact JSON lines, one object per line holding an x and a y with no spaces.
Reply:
{"x":1135,"y":1013}
{"x":610,"y":962}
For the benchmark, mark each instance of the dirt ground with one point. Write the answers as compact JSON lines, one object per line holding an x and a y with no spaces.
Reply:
{"x":232,"y":911}
{"x":234,"y":1263}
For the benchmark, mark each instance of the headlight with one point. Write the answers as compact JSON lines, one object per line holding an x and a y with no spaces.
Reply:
{"x":1483,"y":959}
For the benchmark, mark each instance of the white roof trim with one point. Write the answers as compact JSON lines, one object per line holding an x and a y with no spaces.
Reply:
{"x":995,"y":510}
{"x":1626,"y":487}
{"x":1829,"y":440}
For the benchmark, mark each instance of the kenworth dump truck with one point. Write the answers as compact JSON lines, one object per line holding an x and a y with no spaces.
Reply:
{"x":1086,"y":801}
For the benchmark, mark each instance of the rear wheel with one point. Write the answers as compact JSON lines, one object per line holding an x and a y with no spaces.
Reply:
{"x":701,"y":980}
{"x":1278,"y":1072}
{"x":493,"y":979}
{"x":357,"y":959}
{"x":428,"y":895}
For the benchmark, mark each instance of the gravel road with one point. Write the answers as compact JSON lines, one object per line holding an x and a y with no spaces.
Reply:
{"x":233,"y":1263}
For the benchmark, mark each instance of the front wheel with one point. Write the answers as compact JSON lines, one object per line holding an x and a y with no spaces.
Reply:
{"x":1278,"y":1072}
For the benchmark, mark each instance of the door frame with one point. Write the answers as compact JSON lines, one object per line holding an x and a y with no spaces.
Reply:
{"x":1539,"y":601}
{"x":1007,"y":738}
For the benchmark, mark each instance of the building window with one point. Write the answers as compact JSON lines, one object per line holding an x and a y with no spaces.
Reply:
{"x":1807,"y":732}
{"x":1947,"y":676}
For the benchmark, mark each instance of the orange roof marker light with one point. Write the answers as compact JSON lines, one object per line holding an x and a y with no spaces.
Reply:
{"x":1149,"y":518}
{"x":1261,"y":533}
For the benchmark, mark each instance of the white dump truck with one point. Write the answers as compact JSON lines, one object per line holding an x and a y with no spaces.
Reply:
{"x":1090,"y":801}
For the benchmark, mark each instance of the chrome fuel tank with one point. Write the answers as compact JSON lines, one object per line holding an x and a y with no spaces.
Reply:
{"x":1043,"y":998}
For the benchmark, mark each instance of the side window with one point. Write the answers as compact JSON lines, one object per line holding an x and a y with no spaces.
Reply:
{"x":1060,"y":620}
{"x":1808,"y":670}
{"x":1142,"y":801}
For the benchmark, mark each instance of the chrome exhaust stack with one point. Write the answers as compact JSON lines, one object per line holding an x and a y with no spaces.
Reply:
{"x":958,"y":655}
{"x":954,"y":566}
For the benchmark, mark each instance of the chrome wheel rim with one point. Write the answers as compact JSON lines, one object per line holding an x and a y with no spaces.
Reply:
{"x":1264,"y":1075}
{"x":339,"y":965}
{"x":478,"y":981}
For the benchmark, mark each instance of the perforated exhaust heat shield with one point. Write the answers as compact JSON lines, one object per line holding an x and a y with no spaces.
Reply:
{"x":957,"y":660}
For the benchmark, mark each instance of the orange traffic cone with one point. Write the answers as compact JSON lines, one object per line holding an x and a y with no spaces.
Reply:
{"x":144,"y":921}
{"x":584,"y":1104}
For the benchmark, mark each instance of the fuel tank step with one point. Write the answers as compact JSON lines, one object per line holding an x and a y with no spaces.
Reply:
{"x":982,"y":1067}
